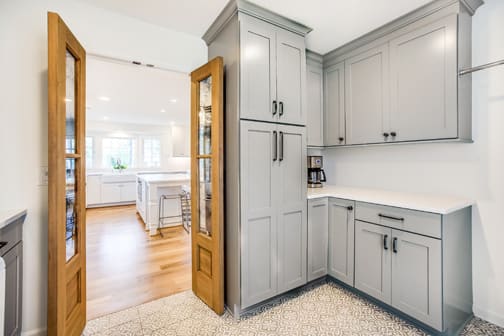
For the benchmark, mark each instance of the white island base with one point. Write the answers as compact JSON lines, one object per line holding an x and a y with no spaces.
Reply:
{"x":150,"y":188}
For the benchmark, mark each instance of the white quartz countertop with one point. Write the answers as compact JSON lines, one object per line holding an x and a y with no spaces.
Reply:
{"x":9,"y":216}
{"x":416,"y":201}
{"x":162,"y":178}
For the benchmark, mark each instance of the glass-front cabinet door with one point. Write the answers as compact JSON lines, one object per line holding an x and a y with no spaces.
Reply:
{"x":207,"y":183}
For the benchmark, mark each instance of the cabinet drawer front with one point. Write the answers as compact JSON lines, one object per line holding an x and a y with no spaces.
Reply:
{"x":10,"y":236}
{"x":420,"y":222}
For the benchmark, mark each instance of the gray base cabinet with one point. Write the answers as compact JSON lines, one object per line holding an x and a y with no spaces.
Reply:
{"x":414,"y":261}
{"x":11,"y":251}
{"x":341,"y":240}
{"x":317,"y":238}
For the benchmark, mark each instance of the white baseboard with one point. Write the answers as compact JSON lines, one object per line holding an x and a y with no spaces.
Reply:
{"x":35,"y":332}
{"x":489,"y":316}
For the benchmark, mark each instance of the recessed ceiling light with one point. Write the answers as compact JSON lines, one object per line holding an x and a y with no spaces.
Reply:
{"x":105,"y":118}
{"x":68,"y":100}
{"x":104,"y":98}
{"x":163,"y":110}
{"x":173,"y":100}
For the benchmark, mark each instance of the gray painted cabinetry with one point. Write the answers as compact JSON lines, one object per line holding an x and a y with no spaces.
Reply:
{"x":317,"y":238}
{"x":11,"y":251}
{"x":416,"y":262}
{"x":400,"y":83}
{"x":315,"y":103}
{"x":265,"y":110}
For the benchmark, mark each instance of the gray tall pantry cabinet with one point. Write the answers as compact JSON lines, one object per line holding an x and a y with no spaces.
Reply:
{"x":265,"y":151}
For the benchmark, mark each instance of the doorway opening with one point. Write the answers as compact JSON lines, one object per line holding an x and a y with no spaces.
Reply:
{"x":137,"y":170}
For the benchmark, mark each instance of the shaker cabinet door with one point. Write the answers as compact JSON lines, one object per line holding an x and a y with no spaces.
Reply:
{"x":341,"y":240}
{"x":416,"y":277}
{"x":367,"y":96}
{"x":372,"y":260}
{"x":257,"y":69}
{"x":291,"y":77}
{"x":317,"y":238}
{"x":334,"y":105}
{"x":292,"y":218}
{"x":13,"y":289}
{"x":423,"y":71}
{"x":315,"y":105}
{"x":259,"y":212}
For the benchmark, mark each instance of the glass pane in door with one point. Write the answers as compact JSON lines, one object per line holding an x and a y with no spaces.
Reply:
{"x":71,"y":209}
{"x":205,"y":196}
{"x":205,"y":117}
{"x":70,"y":103}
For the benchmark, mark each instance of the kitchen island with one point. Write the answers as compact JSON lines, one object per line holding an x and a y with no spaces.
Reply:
{"x":150,"y":187}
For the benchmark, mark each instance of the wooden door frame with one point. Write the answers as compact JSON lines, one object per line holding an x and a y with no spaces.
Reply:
{"x":59,"y":321}
{"x":214,"y":296}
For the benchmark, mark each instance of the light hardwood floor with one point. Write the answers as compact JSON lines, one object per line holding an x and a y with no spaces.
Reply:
{"x":127,"y":267}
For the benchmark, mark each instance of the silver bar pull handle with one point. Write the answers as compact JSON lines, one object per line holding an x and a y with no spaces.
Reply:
{"x":275,"y":150}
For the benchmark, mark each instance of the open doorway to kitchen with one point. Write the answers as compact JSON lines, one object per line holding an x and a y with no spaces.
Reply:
{"x":137,"y":163}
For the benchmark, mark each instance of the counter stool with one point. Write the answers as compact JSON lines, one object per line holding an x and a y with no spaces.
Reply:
{"x":185,"y":206}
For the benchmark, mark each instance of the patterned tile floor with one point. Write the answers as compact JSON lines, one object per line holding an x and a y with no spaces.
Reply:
{"x":327,"y":309}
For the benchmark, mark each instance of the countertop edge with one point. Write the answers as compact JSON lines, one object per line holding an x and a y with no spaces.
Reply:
{"x":404,"y":205}
{"x":11,"y":216}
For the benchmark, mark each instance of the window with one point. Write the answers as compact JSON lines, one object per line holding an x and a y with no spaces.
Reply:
{"x":118,"y":150}
{"x":89,"y":152}
{"x":151,"y":152}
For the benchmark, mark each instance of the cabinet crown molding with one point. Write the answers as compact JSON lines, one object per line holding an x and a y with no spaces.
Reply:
{"x":454,"y":6}
{"x":314,"y":57}
{"x":242,"y":6}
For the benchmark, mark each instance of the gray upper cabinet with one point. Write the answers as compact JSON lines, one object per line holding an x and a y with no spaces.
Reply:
{"x":291,"y":77}
{"x":341,"y":240}
{"x":259,"y":212}
{"x":292,"y":217}
{"x":317,"y":238}
{"x":416,"y":277}
{"x":273,"y":68}
{"x":258,"y":70}
{"x":334,"y":105}
{"x":315,"y":103}
{"x":423,"y":82}
{"x":372,"y":260}
{"x":367,"y":95}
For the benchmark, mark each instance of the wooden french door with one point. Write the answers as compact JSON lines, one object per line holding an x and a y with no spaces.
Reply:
{"x":207,"y":184}
{"x":66,"y":302}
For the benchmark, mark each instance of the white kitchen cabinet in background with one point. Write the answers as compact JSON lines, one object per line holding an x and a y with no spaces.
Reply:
{"x":181,"y":141}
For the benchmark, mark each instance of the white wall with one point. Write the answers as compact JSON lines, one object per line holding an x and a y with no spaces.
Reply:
{"x":23,"y":108}
{"x":472,"y":170}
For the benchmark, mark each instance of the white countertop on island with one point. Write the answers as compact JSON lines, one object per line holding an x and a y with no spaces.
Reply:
{"x":415,"y":201}
{"x":162,"y":178}
{"x":9,"y":216}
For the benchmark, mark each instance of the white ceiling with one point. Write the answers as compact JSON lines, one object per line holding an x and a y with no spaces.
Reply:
{"x":136,"y":94}
{"x":334,"y":22}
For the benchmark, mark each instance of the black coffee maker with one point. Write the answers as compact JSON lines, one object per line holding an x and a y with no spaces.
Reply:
{"x":316,"y":174}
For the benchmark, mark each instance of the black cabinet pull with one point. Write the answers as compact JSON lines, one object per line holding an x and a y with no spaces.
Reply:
{"x":385,"y":135}
{"x":281,"y":156}
{"x":275,"y":107}
{"x":400,"y":219}
{"x":385,"y":239}
{"x":393,"y":134}
{"x":349,"y":208}
{"x":341,"y":139}
{"x":394,"y":245}
{"x":281,"y":109}
{"x":275,"y":154}
{"x":2,"y":244}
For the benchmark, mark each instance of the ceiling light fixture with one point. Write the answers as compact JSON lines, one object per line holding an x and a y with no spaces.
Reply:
{"x":104,"y":98}
{"x":173,"y":100}
{"x":163,"y":110}
{"x":68,"y":100}
{"x":105,"y":118}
